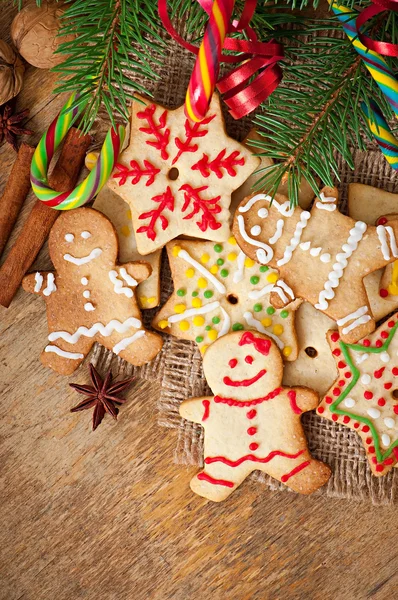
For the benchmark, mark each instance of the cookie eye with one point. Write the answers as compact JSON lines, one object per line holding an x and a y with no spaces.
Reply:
{"x":232,"y":363}
{"x":249,"y":359}
{"x":69,"y":237}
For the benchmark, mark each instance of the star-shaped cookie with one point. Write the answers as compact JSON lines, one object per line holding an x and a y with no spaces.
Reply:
{"x":365,"y":395}
{"x":178,"y":176}
{"x":218,"y":289}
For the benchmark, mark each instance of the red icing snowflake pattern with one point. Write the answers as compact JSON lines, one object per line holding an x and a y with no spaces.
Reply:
{"x":161,"y":137}
{"x":136,"y":172}
{"x":208,"y":207}
{"x":166,"y":202}
{"x":216,"y":166}
{"x":191,"y":131}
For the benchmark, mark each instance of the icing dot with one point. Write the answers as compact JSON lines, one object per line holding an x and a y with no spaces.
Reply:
{"x":385,"y":357}
{"x":189,"y":273}
{"x":287,"y":351}
{"x":237,"y":327}
{"x":262,"y":213}
{"x":208,"y":327}
{"x":255,"y":230}
{"x":346,"y":419}
{"x":205,"y":258}
{"x":203,"y":349}
{"x":184,"y":325}
{"x":196,"y":303}
{"x":213,"y":335}
{"x":254,"y":279}
{"x":249,"y":263}
{"x":125,"y":230}
{"x":328,"y":400}
{"x":220,"y":261}
{"x":258,"y":307}
{"x":278,"y":329}
{"x":163,"y":324}
{"x":366,"y":379}
{"x":334,"y":417}
{"x":181,"y":292}
{"x":385,"y":440}
{"x":378,"y":344}
{"x":179,"y":308}
{"x":198,"y":321}
{"x":384,"y":334}
{"x":374,"y":413}
{"x":85,"y":235}
{"x":199,"y":339}
{"x":270,"y":310}
{"x":214,"y":269}
{"x":321,"y":410}
{"x":284,"y":314}
{"x":325,"y":258}
{"x":381,"y":402}
{"x":195,"y":293}
{"x":366,"y":343}
{"x":224,"y":272}
{"x":86,"y":294}
{"x":334,"y":337}
{"x":263,"y":269}
{"x":217,"y":248}
{"x":349,"y":402}
{"x":69,"y":237}
{"x":365,"y":428}
{"x":383,"y":293}
{"x":272,"y":277}
{"x":216,"y":320}
{"x":388,"y":422}
{"x":231,"y":256}
{"x":176,"y":250}
{"x":368,"y":395}
{"x":395,"y":371}
{"x":84,"y":280}
{"x":89,"y":307}
{"x":267,"y":322}
{"x":208,"y":294}
{"x":253,"y":447}
{"x":232,"y":241}
{"x":202,"y":282}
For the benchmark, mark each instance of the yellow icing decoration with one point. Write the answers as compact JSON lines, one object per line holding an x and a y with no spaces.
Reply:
{"x":202,"y":282}
{"x":179,"y":308}
{"x":272,"y":277}
{"x":189,"y":273}
{"x":143,"y":299}
{"x":231,"y":256}
{"x":176,"y":250}
{"x":196,"y":302}
{"x":163,"y":324}
{"x":125,"y":230}
{"x":184,"y":325}
{"x":198,"y":321}
{"x":203,"y":349}
{"x":393,"y":287}
{"x":232,"y":241}
{"x":212,"y":335}
{"x":214,"y":269}
{"x":287,"y":351}
{"x":266,"y":322}
{"x":205,"y":258}
{"x":128,"y":214}
{"x":151,"y":300}
{"x":249,"y":263}
{"x":278,"y":329}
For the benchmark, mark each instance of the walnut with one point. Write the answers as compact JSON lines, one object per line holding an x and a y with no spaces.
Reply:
{"x":11,"y":73}
{"x":34,"y":32}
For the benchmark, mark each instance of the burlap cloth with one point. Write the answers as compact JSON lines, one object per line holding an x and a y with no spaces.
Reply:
{"x":179,"y":365}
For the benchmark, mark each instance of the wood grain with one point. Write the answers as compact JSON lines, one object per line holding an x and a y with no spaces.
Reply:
{"x":107,"y":516}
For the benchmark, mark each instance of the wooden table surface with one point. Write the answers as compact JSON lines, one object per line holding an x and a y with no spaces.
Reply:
{"x":108,"y":516}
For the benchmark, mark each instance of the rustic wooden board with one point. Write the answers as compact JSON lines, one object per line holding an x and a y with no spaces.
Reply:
{"x":107,"y":515}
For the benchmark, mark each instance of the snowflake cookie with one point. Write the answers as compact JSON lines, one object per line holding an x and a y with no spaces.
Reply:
{"x":219,"y":289}
{"x":178,"y":176}
{"x":365,"y":395}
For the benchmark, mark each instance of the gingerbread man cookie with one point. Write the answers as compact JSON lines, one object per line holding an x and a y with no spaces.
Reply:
{"x":217,"y":290}
{"x":89,"y":297}
{"x":321,"y":255}
{"x":178,"y":176}
{"x":251,"y":422}
{"x":365,"y":395}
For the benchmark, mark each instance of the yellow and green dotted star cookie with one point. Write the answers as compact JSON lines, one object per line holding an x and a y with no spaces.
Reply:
{"x":219,"y":289}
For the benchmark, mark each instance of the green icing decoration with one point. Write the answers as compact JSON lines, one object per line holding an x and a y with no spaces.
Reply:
{"x":199,"y":339}
{"x":208,"y":294}
{"x":208,"y":327}
{"x":270,"y":310}
{"x":237,"y":327}
{"x":254,"y":279}
{"x":220,"y":261}
{"x":181,"y":292}
{"x":258,"y":307}
{"x":224,"y":272}
{"x":194,"y":294}
{"x":217,"y":248}
{"x":284,"y":314}
{"x":216,"y":320}
{"x":263,"y":269}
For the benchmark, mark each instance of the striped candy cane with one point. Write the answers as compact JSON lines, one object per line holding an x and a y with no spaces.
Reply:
{"x":89,"y":188}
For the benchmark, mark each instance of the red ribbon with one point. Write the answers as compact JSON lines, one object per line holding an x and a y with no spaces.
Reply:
{"x":379,"y":6}
{"x":240,"y":95}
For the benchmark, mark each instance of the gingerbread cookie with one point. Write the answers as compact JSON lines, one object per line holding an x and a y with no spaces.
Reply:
{"x":89,"y":297}
{"x":251,"y":422}
{"x":217,"y":290}
{"x":178,"y":176}
{"x":322,"y":255}
{"x":365,"y":395}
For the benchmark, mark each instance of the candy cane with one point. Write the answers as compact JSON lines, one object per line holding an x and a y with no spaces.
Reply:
{"x":89,"y":188}
{"x":204,"y":76}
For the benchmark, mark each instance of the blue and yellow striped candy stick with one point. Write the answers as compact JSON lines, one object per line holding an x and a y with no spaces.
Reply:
{"x":382,"y":133}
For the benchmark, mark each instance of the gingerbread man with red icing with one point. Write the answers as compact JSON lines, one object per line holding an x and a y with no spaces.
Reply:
{"x":251,"y":422}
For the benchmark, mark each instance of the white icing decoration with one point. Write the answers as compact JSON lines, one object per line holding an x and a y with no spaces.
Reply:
{"x":295,"y":240}
{"x":118,"y":287}
{"x":51,"y":287}
{"x":306,"y":246}
{"x":374,"y":413}
{"x":284,"y":209}
{"x":366,"y":379}
{"x":63,"y":353}
{"x":333,"y":280}
{"x":238,"y":275}
{"x":281,"y":294}
{"x":122,"y":345}
{"x":127,"y":278}
{"x":84,"y":280}
{"x":263,"y":213}
{"x":328,"y":207}
{"x":226,"y":323}
{"x":349,"y":402}
{"x":325,"y":258}
{"x":69,"y":237}
{"x":286,"y":288}
{"x":385,"y":440}
{"x":265,"y":253}
{"x":316,"y":251}
{"x":278,"y":232}
{"x":356,"y":323}
{"x":85,"y":235}
{"x":89,"y":307}
{"x":86,"y":294}
{"x":385,"y":248}
{"x":39,"y":282}
{"x":188,"y":258}
{"x":360,"y":359}
{"x":385,"y":357}
{"x":191,"y":312}
{"x":352,"y":316}
{"x":84,"y":259}
{"x":388,"y":422}
{"x":255,"y":230}
{"x":252,"y":322}
{"x":104,"y":330}
{"x":256,"y":294}
{"x":326,"y":198}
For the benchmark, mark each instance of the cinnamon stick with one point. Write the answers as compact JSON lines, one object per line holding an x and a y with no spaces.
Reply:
{"x":38,"y":224}
{"x":15,"y":192}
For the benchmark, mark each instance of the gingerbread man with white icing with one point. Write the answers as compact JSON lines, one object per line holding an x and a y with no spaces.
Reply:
{"x":322,"y":256}
{"x":90,"y":298}
{"x":252,"y":422}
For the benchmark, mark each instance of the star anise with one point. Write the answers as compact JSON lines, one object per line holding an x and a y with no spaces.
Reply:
{"x":102,"y":395}
{"x":11,"y":125}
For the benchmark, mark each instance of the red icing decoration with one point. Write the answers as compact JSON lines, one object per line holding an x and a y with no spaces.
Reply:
{"x":208,"y":208}
{"x":328,"y":400}
{"x":192,"y":130}
{"x":321,"y":410}
{"x":396,"y":409}
{"x":368,"y":395}
{"x":388,"y":386}
{"x":382,"y":221}
{"x":395,"y":452}
{"x":336,"y":352}
{"x":293,"y":403}
{"x":379,"y":372}
{"x":371,"y":449}
{"x":252,"y":431}
{"x":161,"y":137}
{"x":166,"y":201}
{"x":205,"y":477}
{"x":346,"y":419}
{"x":391,"y":323}
{"x":136,"y":172}
{"x":374,"y":460}
{"x":356,"y":425}
{"x":244,"y":382}
{"x":365,"y":428}
{"x":296,"y":470}
{"x":381,"y":402}
{"x":249,"y":360}
{"x":379,"y":344}
{"x":341,"y":364}
{"x":395,"y":371}
{"x":217,"y":164}
{"x":366,"y":343}
{"x":379,"y":468}
{"x":389,"y":461}
{"x":334,"y":417}
{"x":233,"y":362}
{"x":242,"y":403}
{"x":383,"y":293}
{"x":348,"y":374}
{"x":384,"y":335}
{"x":239,"y":461}
{"x":251,"y":414}
{"x":368,"y":440}
{"x":260,"y":344}
{"x":336,"y":392}
{"x":334,"y":337}
{"x":253,"y":446}
{"x":206,"y":405}
{"x":341,"y":382}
